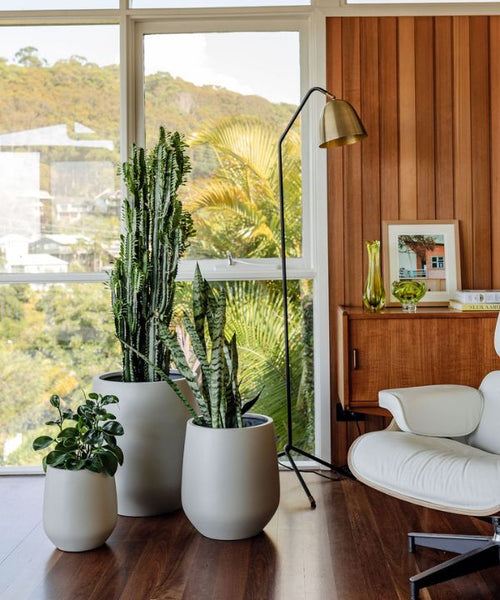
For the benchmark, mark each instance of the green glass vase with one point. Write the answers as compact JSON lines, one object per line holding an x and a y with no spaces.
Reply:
{"x":374,"y":293}
{"x":409,"y":293}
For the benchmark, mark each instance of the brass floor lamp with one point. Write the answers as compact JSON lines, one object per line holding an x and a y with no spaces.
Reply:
{"x":339,"y":125}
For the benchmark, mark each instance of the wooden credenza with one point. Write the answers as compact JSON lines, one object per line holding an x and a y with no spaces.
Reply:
{"x":394,"y":349}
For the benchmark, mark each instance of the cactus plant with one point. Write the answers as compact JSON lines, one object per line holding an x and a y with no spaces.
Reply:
{"x":156,"y":234}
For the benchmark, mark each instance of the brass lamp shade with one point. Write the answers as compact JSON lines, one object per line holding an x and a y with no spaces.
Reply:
{"x":340,"y":125}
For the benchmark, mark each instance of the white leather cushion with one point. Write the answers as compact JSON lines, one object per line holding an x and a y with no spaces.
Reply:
{"x":487,"y":435}
{"x":435,"y":410}
{"x":436,"y":472}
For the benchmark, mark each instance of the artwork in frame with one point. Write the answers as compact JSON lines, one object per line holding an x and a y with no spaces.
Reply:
{"x":426,"y":251}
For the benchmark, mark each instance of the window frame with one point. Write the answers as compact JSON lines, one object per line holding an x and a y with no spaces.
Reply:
{"x":313,"y":264}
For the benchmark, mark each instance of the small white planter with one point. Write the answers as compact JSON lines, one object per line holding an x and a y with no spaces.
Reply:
{"x":154,"y":422}
{"x":79,"y":509}
{"x":230,"y":479}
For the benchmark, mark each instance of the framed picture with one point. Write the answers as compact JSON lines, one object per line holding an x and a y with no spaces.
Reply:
{"x":425,"y":251}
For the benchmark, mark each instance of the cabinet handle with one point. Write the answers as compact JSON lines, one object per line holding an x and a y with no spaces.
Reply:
{"x":354,"y":359}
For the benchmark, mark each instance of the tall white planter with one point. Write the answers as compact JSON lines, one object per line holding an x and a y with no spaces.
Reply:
{"x":230,"y":479}
{"x":79,"y":508}
{"x":154,"y":421}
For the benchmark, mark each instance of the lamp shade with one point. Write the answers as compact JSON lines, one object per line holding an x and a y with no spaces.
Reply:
{"x":340,"y":125}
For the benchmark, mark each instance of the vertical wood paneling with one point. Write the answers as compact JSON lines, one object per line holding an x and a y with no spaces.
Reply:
{"x":336,"y":215}
{"x":428,"y":91}
{"x":351,"y":69}
{"x":370,"y":148}
{"x":388,"y":108}
{"x":407,"y":120}
{"x":462,"y":143}
{"x":480,"y":145}
{"x":424,"y":117}
{"x":444,"y":118}
{"x":495,"y":149}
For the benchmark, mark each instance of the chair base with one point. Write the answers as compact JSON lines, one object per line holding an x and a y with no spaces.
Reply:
{"x":474,"y":553}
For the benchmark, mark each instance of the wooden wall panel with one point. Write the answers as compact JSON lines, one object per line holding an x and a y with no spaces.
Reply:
{"x":407,"y":119}
{"x":444,"y":118}
{"x":388,"y":114}
{"x":495,"y":151}
{"x":428,"y":92}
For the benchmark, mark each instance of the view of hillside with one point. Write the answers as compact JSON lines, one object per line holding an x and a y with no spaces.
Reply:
{"x":75,"y":90}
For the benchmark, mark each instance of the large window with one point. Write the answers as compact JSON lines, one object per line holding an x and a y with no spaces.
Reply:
{"x":68,"y":113}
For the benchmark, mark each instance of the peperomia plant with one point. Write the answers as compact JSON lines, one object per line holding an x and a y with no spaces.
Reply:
{"x":90,"y":443}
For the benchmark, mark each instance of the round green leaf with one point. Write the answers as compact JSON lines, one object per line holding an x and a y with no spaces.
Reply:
{"x":113,"y":427}
{"x":68,"y":432}
{"x":55,"y":401}
{"x":42,"y":442}
{"x":55,"y":458}
{"x":109,"y":399}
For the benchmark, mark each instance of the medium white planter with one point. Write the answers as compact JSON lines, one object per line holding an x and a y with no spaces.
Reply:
{"x":79,"y":508}
{"x":230,"y":480}
{"x":154,"y":422}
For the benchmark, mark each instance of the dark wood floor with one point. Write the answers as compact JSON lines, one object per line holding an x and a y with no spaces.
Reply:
{"x":352,"y":547}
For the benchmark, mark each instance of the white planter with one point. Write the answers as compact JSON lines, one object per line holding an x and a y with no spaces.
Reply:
{"x":230,"y":480}
{"x":79,"y":509}
{"x":154,"y":421}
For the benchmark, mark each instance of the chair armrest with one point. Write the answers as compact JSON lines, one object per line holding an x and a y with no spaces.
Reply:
{"x":434,"y":410}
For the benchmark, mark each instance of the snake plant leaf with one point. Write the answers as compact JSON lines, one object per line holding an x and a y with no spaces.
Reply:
{"x":248,"y":405}
{"x":199,"y":305}
{"x":217,"y":362}
{"x":200,"y":351}
{"x":170,"y":340}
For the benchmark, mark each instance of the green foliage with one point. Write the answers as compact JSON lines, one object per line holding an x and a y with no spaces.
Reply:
{"x":88,"y":444}
{"x":237,"y":207}
{"x":157,"y":230}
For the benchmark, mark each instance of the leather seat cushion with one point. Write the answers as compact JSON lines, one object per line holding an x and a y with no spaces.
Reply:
{"x":437,"y":472}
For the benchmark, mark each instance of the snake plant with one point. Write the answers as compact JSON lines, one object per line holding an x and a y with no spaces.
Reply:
{"x":216,"y":387}
{"x":156,"y":234}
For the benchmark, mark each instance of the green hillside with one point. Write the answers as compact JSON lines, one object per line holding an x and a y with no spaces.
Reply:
{"x":33,"y":94}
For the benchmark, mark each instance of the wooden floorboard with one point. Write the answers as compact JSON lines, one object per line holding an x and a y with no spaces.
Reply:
{"x":352,"y":547}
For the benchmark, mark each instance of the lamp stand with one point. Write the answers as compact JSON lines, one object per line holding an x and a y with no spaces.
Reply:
{"x":290,"y":447}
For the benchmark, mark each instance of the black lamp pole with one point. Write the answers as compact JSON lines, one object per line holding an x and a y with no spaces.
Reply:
{"x":340,"y":139}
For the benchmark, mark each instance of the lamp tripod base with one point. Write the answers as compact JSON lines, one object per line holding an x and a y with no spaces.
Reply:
{"x":287,"y":451}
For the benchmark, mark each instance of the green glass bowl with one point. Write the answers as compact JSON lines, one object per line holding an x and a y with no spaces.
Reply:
{"x":409,"y":293}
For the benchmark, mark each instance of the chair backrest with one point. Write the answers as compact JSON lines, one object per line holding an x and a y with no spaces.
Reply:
{"x":487,"y":435}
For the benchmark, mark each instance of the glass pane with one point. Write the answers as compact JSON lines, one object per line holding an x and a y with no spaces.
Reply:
{"x":232,"y":95}
{"x":255,"y":314}
{"x":53,"y":340}
{"x":59,"y":148}
{"x":214,"y":3}
{"x":57,"y":4}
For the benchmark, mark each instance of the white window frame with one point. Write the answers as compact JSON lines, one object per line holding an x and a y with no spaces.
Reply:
{"x":313,"y":265}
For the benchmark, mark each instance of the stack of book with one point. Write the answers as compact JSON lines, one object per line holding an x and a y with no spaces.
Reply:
{"x":475,"y":300}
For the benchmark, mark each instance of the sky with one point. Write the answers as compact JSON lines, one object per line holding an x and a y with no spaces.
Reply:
{"x":262,"y":63}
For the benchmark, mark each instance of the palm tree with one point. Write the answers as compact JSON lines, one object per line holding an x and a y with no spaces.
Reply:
{"x":237,"y":208}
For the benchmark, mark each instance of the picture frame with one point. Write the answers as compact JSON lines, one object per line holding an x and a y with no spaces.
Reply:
{"x":422,"y":251}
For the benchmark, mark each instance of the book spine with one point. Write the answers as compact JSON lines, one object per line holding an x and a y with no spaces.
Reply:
{"x":474,"y":305}
{"x":477,"y":297}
